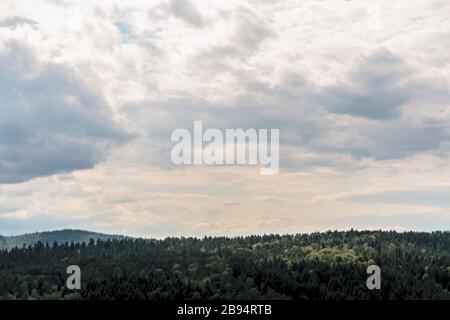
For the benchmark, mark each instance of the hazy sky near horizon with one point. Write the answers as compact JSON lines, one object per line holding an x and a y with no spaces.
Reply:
{"x":90,"y":92}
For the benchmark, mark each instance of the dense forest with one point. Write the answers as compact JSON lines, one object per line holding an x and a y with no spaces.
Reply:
{"x":329,"y":265}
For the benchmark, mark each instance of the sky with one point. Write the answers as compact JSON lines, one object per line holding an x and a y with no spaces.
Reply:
{"x":90,"y":92}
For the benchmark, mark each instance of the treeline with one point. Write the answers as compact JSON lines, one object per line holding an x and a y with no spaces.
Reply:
{"x":329,"y":265}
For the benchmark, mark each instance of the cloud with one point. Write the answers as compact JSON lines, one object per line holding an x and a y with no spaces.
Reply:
{"x":249,"y":29}
{"x":243,"y":32}
{"x":361,"y":109}
{"x":437,"y":197}
{"x":16,"y":21}
{"x":187,"y":11}
{"x":376,"y":90}
{"x":341,"y":126}
{"x":49,"y":121}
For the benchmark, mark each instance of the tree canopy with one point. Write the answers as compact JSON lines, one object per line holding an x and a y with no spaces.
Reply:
{"x":330,"y":265}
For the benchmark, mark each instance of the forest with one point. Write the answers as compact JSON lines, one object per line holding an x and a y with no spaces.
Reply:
{"x":318,"y":266}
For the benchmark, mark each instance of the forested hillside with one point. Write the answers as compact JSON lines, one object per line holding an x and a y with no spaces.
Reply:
{"x":61,"y":236}
{"x":328,"y":265}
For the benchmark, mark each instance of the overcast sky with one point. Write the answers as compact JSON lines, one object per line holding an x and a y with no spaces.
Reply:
{"x":90,"y":92}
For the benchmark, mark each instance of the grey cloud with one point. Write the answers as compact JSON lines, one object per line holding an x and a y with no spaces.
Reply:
{"x":378,"y":89}
{"x":186,"y":11}
{"x":14,"y":21}
{"x":383,"y":141}
{"x":250,"y":30}
{"x":401,"y":139}
{"x":49,"y":122}
{"x":363,"y":119}
{"x":381,"y":90}
{"x":245,"y":114}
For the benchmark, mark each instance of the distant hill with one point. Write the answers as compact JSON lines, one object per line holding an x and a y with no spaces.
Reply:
{"x":61,"y":236}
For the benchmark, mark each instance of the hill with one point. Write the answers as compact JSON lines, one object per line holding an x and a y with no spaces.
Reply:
{"x":60,"y":236}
